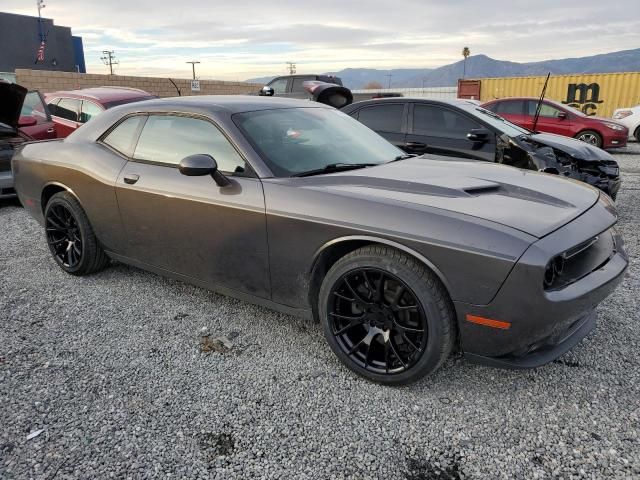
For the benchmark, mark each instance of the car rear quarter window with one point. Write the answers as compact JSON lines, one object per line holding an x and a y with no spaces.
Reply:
{"x":441,"y":122}
{"x":67,"y":108}
{"x":167,"y":139}
{"x":383,"y":118}
{"x":546,"y":110}
{"x":123,"y":137}
{"x":89,"y":110}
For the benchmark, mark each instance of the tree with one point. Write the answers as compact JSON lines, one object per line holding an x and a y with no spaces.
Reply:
{"x":465,"y":53}
{"x":373,"y":86}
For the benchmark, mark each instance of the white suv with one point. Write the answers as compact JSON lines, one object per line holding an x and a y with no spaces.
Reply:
{"x":630,"y":118}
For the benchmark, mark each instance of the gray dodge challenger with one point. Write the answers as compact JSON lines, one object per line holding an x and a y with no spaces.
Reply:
{"x":296,"y":206}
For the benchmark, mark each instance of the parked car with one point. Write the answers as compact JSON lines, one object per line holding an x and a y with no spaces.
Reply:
{"x":36,"y":118}
{"x":630,"y":118}
{"x":325,"y":89}
{"x":73,"y":108}
{"x":296,"y":206}
{"x":461,"y":129}
{"x":562,"y":120}
{"x":11,"y":99}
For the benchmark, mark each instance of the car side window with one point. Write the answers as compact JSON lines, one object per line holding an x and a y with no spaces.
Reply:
{"x":67,"y":108}
{"x":34,"y":106}
{"x":383,"y":118}
{"x":167,"y":139}
{"x":510,"y":107}
{"x":279,"y":86}
{"x":546,"y":110}
{"x":441,"y":122}
{"x":123,"y":137}
{"x":297,"y":85}
{"x":89,"y":110}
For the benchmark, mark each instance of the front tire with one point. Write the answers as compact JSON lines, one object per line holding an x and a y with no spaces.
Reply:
{"x":590,"y":137}
{"x":386,"y":316}
{"x":70,"y":237}
{"x":637,"y":134}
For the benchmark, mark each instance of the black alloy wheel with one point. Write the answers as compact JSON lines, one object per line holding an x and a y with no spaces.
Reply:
{"x":386,"y":315}
{"x":377,"y":321}
{"x":63,"y":236}
{"x":70,"y":237}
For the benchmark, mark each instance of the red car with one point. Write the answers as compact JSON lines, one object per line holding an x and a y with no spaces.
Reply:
{"x":561,"y":120}
{"x":73,"y":108}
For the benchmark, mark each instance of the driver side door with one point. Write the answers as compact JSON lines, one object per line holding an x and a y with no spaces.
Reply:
{"x":190,"y":225}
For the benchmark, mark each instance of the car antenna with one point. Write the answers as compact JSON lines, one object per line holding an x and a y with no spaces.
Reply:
{"x":539,"y":106}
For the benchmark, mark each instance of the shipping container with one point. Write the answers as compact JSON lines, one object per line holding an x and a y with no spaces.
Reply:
{"x":594,"y":94}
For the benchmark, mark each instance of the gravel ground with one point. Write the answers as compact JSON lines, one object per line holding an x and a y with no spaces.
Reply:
{"x":109,"y":369}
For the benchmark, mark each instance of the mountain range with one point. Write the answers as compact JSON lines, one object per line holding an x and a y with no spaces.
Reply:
{"x":482,"y":66}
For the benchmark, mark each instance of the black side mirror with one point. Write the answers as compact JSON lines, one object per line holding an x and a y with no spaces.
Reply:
{"x":267,"y":91}
{"x":199,"y":165}
{"x":479,"y":135}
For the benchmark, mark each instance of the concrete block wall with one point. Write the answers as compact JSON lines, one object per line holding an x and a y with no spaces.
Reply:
{"x":51,"y":81}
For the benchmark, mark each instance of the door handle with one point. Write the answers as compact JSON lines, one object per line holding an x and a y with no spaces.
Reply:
{"x":51,"y":130}
{"x":415,"y":146}
{"x":131,"y":178}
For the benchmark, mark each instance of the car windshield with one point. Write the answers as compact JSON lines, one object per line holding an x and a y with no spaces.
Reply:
{"x":502,"y":124}
{"x":296,"y":140}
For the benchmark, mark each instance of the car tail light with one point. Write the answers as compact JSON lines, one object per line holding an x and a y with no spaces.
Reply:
{"x":622,"y":114}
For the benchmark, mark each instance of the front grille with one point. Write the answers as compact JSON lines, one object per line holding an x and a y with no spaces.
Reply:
{"x":579,"y":261}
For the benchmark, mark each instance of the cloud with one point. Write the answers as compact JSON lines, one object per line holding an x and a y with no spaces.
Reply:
{"x":237,"y":40}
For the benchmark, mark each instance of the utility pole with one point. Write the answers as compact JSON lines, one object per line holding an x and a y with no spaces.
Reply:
{"x":292,"y":68}
{"x":389,"y":75}
{"x":193,"y":67}
{"x":109,"y":58}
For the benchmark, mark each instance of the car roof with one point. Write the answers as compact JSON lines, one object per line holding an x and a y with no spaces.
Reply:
{"x":103,"y":94}
{"x":534,"y":99}
{"x":229,"y":103}
{"x":454,"y":102}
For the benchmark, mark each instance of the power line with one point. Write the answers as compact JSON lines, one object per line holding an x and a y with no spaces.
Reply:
{"x":389,"y":75}
{"x":109,"y":58}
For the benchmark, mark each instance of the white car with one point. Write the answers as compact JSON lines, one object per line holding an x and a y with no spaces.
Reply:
{"x":630,"y":118}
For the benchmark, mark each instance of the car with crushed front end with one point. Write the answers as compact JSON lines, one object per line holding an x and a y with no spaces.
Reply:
{"x":459,"y":128}
{"x":296,"y":206}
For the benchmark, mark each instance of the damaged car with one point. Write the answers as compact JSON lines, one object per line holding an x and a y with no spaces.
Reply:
{"x":296,"y":206}
{"x":461,"y":129}
{"x":11,"y":100}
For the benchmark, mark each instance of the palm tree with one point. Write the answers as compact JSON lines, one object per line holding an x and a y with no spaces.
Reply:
{"x":465,"y":53}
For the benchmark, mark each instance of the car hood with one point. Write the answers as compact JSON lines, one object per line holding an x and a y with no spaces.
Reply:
{"x":11,"y":99}
{"x":531,"y":202}
{"x":577,"y":149}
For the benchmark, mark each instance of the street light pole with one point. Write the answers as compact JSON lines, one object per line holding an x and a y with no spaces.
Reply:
{"x":193,"y":67}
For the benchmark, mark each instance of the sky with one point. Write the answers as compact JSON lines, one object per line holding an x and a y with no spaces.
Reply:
{"x":241,"y":39}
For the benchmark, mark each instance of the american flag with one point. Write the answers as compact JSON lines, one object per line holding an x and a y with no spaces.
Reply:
{"x":41,"y":52}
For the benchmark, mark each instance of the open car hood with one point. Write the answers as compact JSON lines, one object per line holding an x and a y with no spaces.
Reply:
{"x":11,"y":99}
{"x":531,"y":202}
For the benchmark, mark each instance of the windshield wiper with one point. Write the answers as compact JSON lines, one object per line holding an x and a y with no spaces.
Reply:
{"x":334,"y":167}
{"x":403,"y":157}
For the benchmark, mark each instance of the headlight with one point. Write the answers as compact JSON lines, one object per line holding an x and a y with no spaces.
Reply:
{"x":622,"y":114}
{"x":615,"y":126}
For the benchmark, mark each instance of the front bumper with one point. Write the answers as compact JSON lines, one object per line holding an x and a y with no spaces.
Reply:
{"x":543,"y":324}
{"x":6,"y":185}
{"x":615,"y":140}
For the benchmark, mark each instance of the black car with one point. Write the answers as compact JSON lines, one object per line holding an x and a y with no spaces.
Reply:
{"x":12,"y":97}
{"x":294,"y":205}
{"x":462,"y":129}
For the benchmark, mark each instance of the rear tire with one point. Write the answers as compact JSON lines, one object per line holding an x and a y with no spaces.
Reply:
{"x":386,"y":316}
{"x":590,"y":137}
{"x":71,"y":239}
